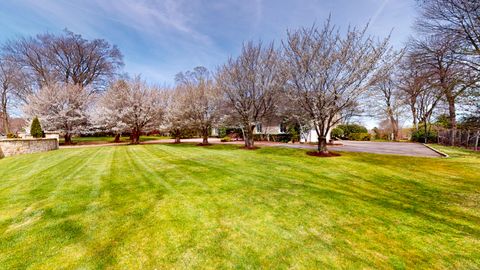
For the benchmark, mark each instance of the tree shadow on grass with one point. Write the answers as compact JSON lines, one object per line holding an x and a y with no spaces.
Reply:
{"x":413,"y":198}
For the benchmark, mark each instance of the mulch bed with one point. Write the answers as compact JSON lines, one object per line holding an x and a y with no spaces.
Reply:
{"x":204,"y":144}
{"x":318,"y":154}
{"x":250,"y":148}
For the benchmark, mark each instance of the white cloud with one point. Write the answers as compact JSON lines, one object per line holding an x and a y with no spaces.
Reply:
{"x":378,"y":11}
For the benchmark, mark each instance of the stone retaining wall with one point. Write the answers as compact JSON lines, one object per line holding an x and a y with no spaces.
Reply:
{"x":12,"y":147}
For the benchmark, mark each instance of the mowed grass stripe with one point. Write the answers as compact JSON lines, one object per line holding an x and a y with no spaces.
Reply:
{"x":184,"y":206}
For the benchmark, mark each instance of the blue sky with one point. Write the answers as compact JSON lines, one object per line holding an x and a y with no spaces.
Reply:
{"x":161,"y":38}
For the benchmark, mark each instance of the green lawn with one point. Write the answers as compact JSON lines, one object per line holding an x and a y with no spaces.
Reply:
{"x":103,"y":140}
{"x":220,"y":207}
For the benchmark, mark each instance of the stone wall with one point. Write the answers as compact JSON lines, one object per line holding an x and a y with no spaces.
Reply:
{"x":12,"y":147}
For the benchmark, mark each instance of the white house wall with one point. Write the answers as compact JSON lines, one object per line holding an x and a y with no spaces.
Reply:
{"x":311,"y":136}
{"x":269,"y":130}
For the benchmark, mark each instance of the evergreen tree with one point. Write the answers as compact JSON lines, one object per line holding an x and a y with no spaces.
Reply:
{"x":36,"y":129}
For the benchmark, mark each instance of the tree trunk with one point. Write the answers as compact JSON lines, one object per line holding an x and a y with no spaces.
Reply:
{"x":135,"y":136}
{"x":394,"y":124}
{"x":426,"y":132}
{"x":322,"y":145}
{"x":177,"y":136}
{"x":205,"y":136}
{"x":468,"y":138}
{"x":395,"y":130}
{"x":117,"y":138}
{"x":68,"y":138}
{"x":414,"y":115}
{"x":6,"y":124}
{"x":249,"y":143}
{"x":453,"y":120}
{"x":476,"y":140}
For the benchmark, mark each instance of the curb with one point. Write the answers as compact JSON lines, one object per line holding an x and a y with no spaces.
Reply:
{"x":436,"y":151}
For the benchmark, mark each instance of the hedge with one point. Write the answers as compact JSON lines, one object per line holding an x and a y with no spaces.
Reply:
{"x":359,"y":136}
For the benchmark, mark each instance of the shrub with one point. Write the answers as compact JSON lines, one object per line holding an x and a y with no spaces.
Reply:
{"x":363,"y":136}
{"x":11,"y":136}
{"x":259,"y":137}
{"x":36,"y":129}
{"x":226,"y":139}
{"x":419,"y":135}
{"x":222,"y":132}
{"x":294,"y":133}
{"x":283,"y":137}
{"x":443,"y":120}
{"x":351,"y":128}
{"x":337,"y":133}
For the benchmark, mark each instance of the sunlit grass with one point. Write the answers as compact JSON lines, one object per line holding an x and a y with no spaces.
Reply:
{"x":110,"y":139}
{"x":183,"y":206}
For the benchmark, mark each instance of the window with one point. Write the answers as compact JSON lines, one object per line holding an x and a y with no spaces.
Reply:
{"x":283,"y":128}
{"x":258,"y":128}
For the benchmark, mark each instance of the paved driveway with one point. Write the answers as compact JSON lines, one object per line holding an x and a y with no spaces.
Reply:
{"x":394,"y":148}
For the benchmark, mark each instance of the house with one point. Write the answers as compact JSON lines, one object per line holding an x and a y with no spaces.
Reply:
{"x":279,"y":127}
{"x":310,"y":136}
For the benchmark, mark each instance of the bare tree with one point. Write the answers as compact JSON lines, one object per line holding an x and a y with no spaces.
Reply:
{"x":411,"y":81}
{"x":427,"y":101}
{"x":457,"y":21}
{"x":328,"y":73}
{"x":68,"y":58}
{"x":60,"y":107}
{"x":7,"y":92}
{"x":414,"y":81}
{"x":391,"y":103}
{"x":13,"y":90}
{"x":446,"y":72}
{"x":201,"y":104}
{"x":251,"y":83}
{"x":131,"y":105}
{"x":386,"y":93}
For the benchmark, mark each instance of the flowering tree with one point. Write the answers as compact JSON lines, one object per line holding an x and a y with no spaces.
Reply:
{"x":60,"y":107}
{"x":176,"y":120}
{"x":201,"y":100}
{"x":251,"y":85}
{"x":130,"y":105}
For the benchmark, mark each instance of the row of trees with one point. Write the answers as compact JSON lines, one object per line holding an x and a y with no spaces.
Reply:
{"x":438,"y":71}
{"x":316,"y":78}
{"x":49,"y":61}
